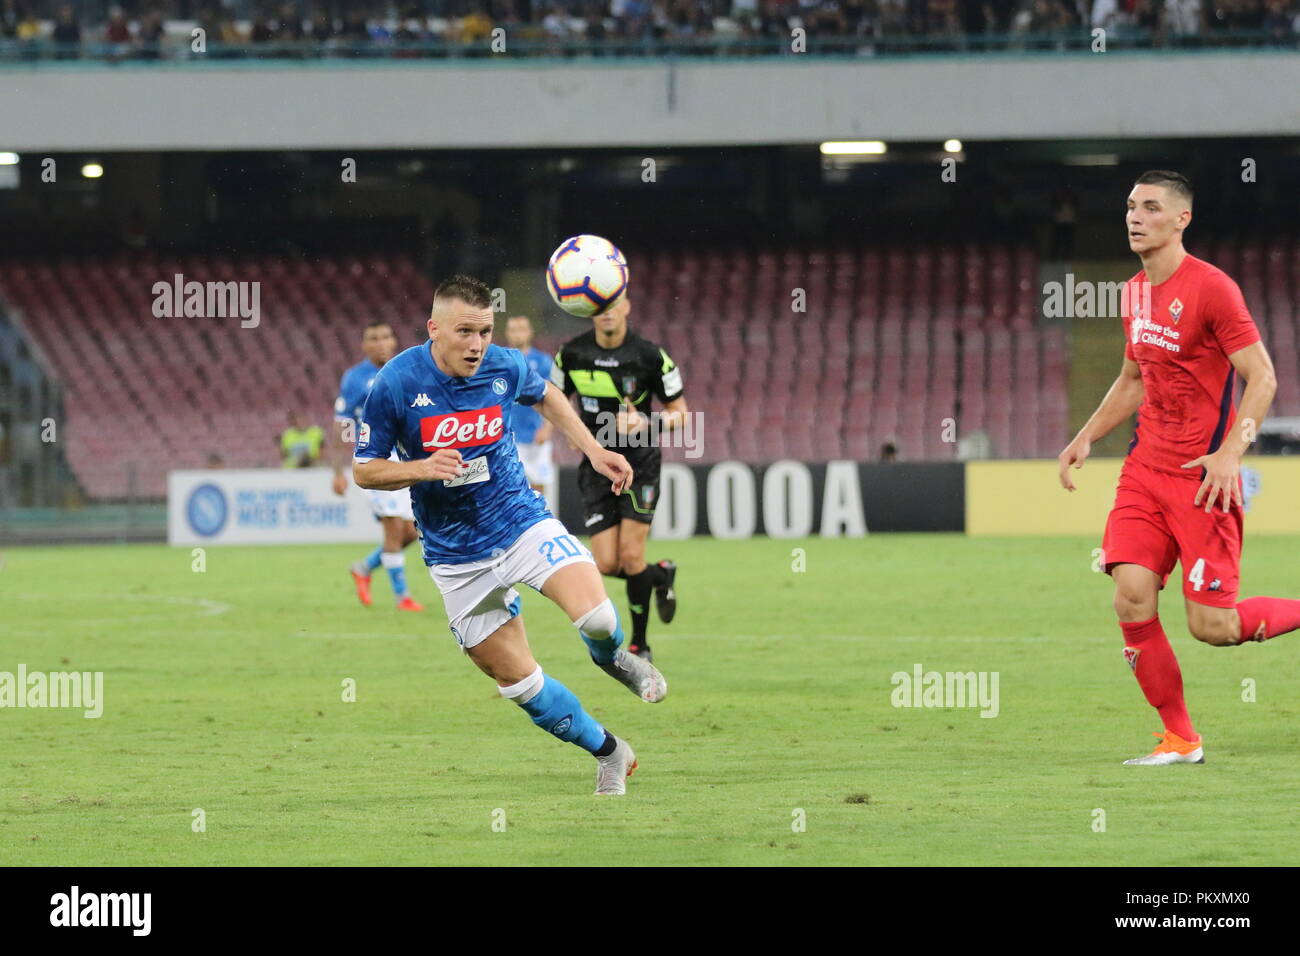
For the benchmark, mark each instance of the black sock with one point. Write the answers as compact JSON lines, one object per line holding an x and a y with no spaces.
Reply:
{"x":607,"y":748}
{"x":639,"y":587}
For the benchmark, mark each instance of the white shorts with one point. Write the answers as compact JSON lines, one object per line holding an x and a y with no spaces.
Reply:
{"x":480,"y":595}
{"x":391,"y":504}
{"x":537,"y":462}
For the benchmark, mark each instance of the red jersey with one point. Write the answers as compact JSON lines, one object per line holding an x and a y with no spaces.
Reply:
{"x":1181,"y":333}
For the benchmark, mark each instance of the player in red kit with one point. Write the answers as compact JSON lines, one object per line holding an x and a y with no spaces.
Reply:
{"x":1179,"y":498}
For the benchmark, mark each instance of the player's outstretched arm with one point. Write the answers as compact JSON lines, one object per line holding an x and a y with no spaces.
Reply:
{"x":1121,"y":401}
{"x":555,"y":408}
{"x":382,"y":474}
{"x":337,"y":452}
{"x":1223,"y":467}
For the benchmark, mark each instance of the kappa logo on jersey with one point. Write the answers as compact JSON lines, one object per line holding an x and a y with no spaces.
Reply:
{"x":1131,"y":655}
{"x":1175,"y":310}
{"x":478,"y":426}
{"x":422,"y":401}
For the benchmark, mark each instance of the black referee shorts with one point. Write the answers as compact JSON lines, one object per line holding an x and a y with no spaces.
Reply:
{"x":602,"y":509}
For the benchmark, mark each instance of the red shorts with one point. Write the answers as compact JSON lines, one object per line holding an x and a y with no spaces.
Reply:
{"x":1154,"y":524}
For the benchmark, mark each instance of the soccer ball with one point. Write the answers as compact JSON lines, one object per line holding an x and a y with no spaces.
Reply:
{"x":586,"y":275}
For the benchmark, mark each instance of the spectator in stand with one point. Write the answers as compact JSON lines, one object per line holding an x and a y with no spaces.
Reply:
{"x":355,"y":33}
{"x":260,"y":31}
{"x":774,"y":21}
{"x":859,"y":16}
{"x":117,"y":35}
{"x":322,"y":28}
{"x":1183,"y":21}
{"x":67,"y":34}
{"x":377,"y":32}
{"x":596,"y":32}
{"x":27,"y":31}
{"x":1108,"y":15}
{"x":289,"y":25}
{"x":803,"y":13}
{"x":635,"y":20}
{"x":1146,"y":18}
{"x":300,"y":447}
{"x":150,"y":36}
{"x":8,"y":20}
{"x":745,"y":12}
{"x":556,"y":23}
{"x":1277,"y":21}
{"x":943,"y":20}
{"x":476,"y":26}
{"x":892,"y":18}
{"x":412,"y":31}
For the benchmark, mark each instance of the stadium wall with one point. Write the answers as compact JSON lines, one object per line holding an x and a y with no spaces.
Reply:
{"x":620,"y":102}
{"x":789,"y":499}
{"x":1026,"y":498}
{"x":734,"y":500}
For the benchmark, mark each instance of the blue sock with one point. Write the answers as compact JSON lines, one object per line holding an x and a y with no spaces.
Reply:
{"x":602,"y":631}
{"x":374,"y":558}
{"x":395,"y":563}
{"x":556,"y":709}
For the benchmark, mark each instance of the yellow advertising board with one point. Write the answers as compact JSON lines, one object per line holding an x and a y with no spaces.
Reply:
{"x":1026,"y":498}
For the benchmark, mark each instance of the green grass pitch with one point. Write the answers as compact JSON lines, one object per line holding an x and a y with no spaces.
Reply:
{"x":223,"y":692}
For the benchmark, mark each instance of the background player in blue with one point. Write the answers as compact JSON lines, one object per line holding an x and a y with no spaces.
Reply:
{"x":391,"y":508}
{"x":446,"y":406}
{"x":532,"y":432}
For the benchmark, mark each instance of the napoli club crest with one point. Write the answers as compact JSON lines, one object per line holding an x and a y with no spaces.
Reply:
{"x":499,"y":386}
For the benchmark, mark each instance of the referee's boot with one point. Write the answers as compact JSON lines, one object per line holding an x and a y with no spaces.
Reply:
{"x":665,"y":596}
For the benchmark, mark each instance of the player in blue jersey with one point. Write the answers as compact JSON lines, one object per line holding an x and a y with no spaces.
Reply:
{"x":532,"y":432}
{"x":447,"y":407}
{"x":392,"y":508}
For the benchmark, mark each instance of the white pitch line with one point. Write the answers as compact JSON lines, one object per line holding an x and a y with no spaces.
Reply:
{"x":205,"y":607}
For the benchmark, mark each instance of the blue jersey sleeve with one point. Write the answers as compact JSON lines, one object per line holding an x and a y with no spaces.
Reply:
{"x":380,"y":422}
{"x":531,"y":386}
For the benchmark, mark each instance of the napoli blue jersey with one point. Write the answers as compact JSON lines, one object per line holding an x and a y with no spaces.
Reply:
{"x":528,"y":420}
{"x":415,"y":408}
{"x":353,"y":389}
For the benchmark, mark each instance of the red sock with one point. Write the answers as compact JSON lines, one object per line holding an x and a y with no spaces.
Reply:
{"x":1147,"y":650}
{"x":1265,"y":617}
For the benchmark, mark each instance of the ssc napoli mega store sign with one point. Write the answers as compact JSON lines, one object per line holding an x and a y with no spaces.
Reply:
{"x":270,"y":506}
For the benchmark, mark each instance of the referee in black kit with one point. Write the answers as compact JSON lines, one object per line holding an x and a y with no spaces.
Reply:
{"x":616,"y":375}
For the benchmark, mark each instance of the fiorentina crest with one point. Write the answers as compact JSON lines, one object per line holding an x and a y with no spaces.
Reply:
{"x":1131,"y":655}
